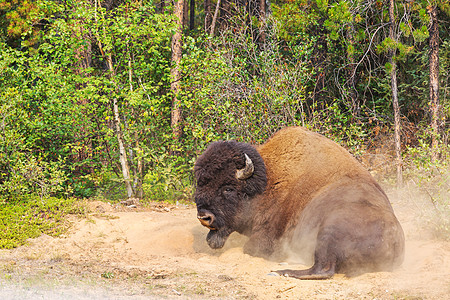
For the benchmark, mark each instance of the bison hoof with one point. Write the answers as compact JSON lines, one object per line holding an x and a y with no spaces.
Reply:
{"x":305,"y":274}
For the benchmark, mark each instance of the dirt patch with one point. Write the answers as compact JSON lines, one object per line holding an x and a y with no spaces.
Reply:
{"x":120,"y":252}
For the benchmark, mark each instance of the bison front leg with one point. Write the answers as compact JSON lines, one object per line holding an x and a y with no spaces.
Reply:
{"x":317,"y":272}
{"x":325,"y":261}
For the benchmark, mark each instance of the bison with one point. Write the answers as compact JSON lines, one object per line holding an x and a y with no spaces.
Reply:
{"x":298,"y":193}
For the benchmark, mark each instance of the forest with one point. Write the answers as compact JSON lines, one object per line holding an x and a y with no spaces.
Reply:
{"x":115,"y":99}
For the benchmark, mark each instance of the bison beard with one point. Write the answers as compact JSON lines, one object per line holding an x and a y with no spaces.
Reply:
{"x":302,"y":190}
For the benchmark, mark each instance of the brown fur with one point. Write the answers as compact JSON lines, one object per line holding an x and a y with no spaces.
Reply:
{"x":319,"y":201}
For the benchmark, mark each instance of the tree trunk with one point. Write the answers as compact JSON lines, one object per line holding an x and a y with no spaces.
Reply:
{"x":185,"y":13}
{"x":83,"y":55}
{"x":214,"y":20}
{"x":176,"y":116}
{"x":262,"y":19}
{"x":135,"y":163}
{"x":122,"y":151}
{"x":393,"y":74}
{"x":208,"y":15}
{"x":192,"y":15}
{"x":434,"y":83}
{"x":397,"y":136}
{"x":262,"y":9}
{"x":140,"y":170}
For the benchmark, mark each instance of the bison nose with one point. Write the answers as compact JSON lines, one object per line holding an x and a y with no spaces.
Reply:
{"x":207,"y":219}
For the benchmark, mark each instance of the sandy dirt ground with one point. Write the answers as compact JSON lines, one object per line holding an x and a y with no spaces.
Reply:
{"x":161,"y":253}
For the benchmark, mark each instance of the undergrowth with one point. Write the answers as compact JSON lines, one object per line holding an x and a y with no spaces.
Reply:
{"x":29,"y":217}
{"x":432,"y":179}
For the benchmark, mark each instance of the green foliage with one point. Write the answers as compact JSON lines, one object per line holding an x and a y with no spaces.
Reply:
{"x":29,"y":217}
{"x":21,"y":172}
{"x":421,"y":34}
{"x":244,"y":97}
{"x":336,"y":123}
{"x":17,"y":17}
{"x":432,"y":176}
{"x":294,"y":20}
{"x":433,"y":179}
{"x":338,"y":15}
{"x":31,"y":176}
{"x":57,"y":115}
{"x":171,"y":180}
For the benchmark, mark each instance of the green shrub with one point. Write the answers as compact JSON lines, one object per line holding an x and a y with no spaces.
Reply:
{"x":171,"y":179}
{"x":29,"y":217}
{"x":433,"y":180}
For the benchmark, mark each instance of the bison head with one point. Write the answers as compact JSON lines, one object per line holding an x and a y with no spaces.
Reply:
{"x":228,"y":174}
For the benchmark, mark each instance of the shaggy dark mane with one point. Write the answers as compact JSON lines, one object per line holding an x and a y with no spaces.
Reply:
{"x":219,"y":155}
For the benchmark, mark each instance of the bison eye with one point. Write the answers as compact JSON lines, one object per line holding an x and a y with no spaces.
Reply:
{"x":228,"y":190}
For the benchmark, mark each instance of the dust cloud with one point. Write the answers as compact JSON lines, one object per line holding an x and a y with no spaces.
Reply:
{"x":426,"y":224}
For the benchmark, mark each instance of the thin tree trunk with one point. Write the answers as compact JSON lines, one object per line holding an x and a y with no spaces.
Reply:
{"x":434,"y":83}
{"x":208,"y":16}
{"x":176,"y":116}
{"x":262,"y":9}
{"x":191,"y":15}
{"x":214,"y":20}
{"x":140,"y":168}
{"x":137,"y":170}
{"x":395,"y":104}
{"x":262,"y":18}
{"x":122,"y":151}
{"x":185,"y":13}
{"x":397,"y":136}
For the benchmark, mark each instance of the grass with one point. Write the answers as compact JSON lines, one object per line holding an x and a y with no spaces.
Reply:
{"x":107,"y":275}
{"x":29,"y":217}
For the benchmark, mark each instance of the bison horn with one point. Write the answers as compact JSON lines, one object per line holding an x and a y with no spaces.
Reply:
{"x":247,"y":171}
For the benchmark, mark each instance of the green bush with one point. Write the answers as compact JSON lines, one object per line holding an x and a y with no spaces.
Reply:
{"x":433,"y":180}
{"x":170,"y":180}
{"x":29,"y":217}
{"x":432,"y":176}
